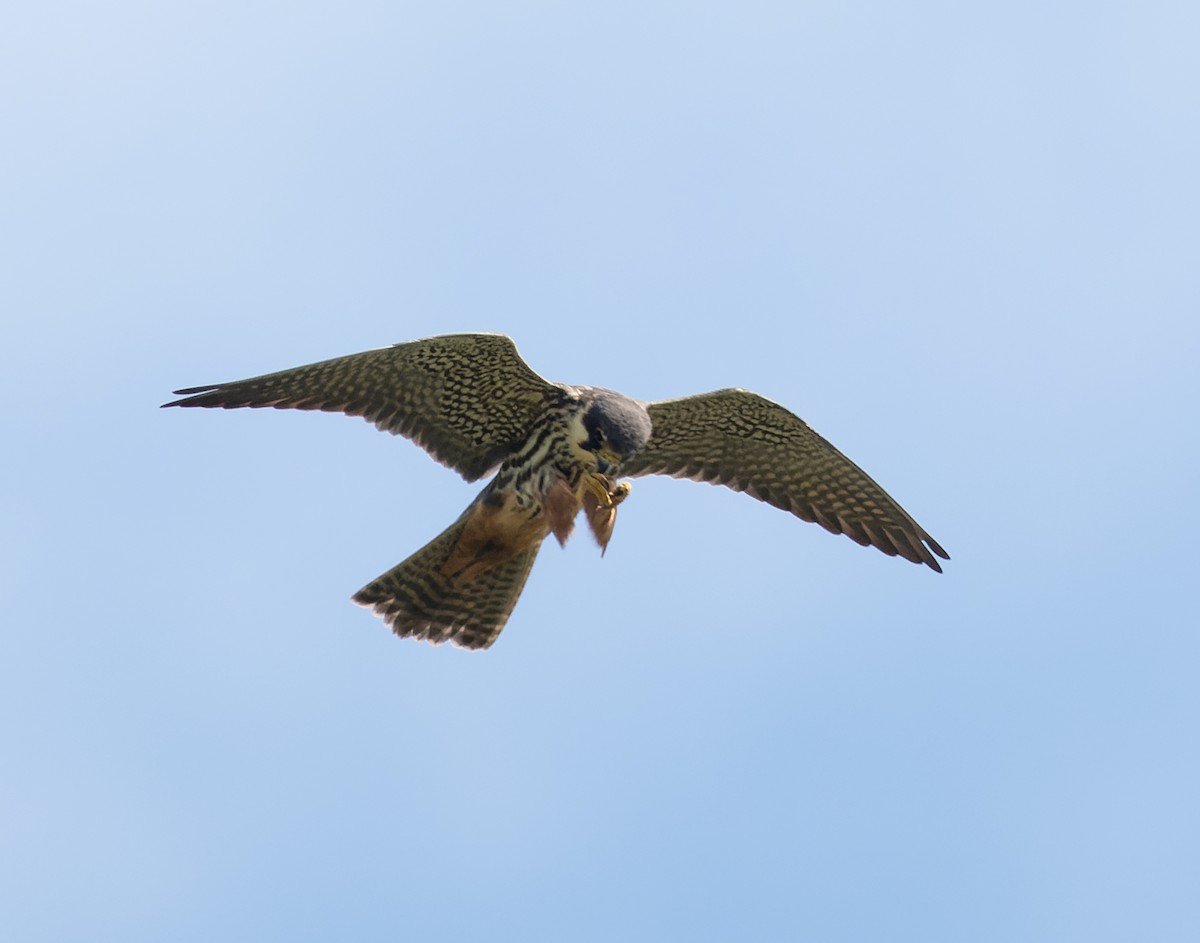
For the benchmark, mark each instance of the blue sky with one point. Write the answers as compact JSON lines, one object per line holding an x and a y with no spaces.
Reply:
{"x":960,"y":240}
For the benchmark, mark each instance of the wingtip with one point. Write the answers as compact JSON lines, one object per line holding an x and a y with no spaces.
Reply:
{"x":191,"y":395}
{"x":193,"y":390}
{"x":934,"y":546}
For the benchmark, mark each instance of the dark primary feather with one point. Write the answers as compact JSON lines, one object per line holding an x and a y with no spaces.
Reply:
{"x":468,"y":399}
{"x":745,"y":441}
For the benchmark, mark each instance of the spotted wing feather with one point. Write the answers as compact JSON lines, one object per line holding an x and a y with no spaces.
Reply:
{"x":468,"y":399}
{"x":748,"y":443}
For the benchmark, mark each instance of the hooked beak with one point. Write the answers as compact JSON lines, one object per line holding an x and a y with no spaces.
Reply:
{"x":607,"y":461}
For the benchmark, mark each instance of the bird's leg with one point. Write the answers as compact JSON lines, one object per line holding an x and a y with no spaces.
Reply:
{"x":600,"y":487}
{"x":607,"y":492}
{"x":600,"y":502}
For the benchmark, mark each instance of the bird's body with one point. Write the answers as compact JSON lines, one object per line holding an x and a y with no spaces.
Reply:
{"x":462,"y":586}
{"x":474,"y":404}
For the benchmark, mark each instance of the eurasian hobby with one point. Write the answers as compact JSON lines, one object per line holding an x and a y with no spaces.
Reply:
{"x":476,"y":406}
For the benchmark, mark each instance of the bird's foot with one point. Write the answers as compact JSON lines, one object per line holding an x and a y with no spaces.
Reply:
{"x":600,"y":504}
{"x":601,"y":488}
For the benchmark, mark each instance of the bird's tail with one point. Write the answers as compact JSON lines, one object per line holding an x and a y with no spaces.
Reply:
{"x":426,"y":599}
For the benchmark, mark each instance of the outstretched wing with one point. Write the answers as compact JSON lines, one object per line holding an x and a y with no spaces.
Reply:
{"x":468,"y":399}
{"x":742,"y":440}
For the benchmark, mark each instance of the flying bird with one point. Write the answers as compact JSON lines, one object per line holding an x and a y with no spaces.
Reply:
{"x":477,"y":407}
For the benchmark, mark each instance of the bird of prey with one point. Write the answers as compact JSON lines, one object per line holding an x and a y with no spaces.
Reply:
{"x":476,"y":406}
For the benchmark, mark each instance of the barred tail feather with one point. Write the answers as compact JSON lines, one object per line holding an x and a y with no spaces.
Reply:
{"x":418,"y":599}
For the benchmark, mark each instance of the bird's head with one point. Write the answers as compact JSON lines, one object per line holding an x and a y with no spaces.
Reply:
{"x":616,"y":426}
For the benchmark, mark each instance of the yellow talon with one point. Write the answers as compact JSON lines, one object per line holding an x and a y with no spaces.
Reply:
{"x":597,"y":484}
{"x":600,"y":500}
